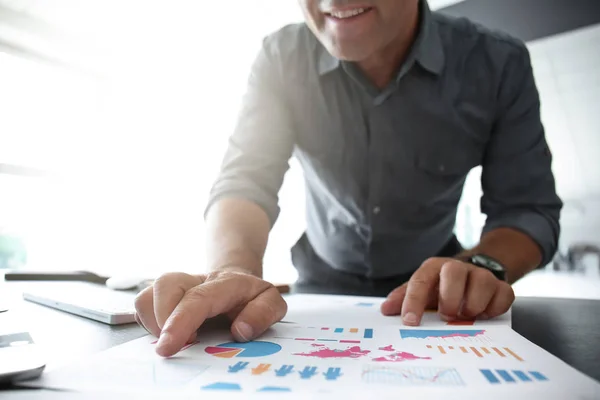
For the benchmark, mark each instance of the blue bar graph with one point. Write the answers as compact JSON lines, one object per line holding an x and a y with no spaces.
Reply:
{"x":368,"y":333}
{"x":489,"y":375}
{"x":538,"y":376}
{"x":339,"y":330}
{"x":522,"y":376}
{"x":503,"y":376}
{"x":506,"y":376}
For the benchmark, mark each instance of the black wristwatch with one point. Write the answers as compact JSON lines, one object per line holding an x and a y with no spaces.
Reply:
{"x":494,"y":266}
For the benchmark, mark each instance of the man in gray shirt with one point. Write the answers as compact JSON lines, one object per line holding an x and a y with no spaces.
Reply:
{"x":387,"y":106}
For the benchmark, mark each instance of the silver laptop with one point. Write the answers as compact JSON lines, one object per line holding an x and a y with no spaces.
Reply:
{"x":87,"y":300}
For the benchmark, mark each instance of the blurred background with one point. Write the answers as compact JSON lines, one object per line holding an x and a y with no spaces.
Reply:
{"x":114,"y":116}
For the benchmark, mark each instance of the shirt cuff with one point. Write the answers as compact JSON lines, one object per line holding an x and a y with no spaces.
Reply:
{"x":266,"y":202}
{"x":543,"y":230}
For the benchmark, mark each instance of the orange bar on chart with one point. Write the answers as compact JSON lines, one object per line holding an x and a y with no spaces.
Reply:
{"x":485,"y":350}
{"x":513,"y":354}
{"x":477,"y":353}
{"x":353,"y":330}
{"x":464,"y":350}
{"x":451,"y":347}
{"x":441,"y":349}
{"x":429,"y":346}
{"x":501,"y":354}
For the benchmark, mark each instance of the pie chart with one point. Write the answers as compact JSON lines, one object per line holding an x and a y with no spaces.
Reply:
{"x":249,"y":349}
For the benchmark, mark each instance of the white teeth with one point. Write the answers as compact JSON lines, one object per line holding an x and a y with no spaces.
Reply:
{"x":347,"y":13}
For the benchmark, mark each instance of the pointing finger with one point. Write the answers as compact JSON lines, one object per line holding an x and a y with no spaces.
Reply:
{"x":418,"y":291}
{"x":144,"y":307}
{"x":207,"y":300}
{"x":168,"y":291}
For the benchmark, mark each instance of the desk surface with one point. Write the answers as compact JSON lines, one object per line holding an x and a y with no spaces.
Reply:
{"x":565,"y":328}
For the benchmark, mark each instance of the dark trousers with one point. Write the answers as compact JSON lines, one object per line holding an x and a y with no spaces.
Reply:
{"x":316,"y":276}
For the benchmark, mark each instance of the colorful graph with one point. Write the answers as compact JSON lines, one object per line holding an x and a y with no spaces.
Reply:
{"x":503,"y":376}
{"x":480,"y":352}
{"x":249,"y":349}
{"x":439,"y":334}
{"x":412,"y":376}
{"x":325,"y":352}
{"x":319,"y":340}
{"x":400,"y":357}
{"x":223,"y":386}
{"x":365,"y":333}
{"x":274,"y":389}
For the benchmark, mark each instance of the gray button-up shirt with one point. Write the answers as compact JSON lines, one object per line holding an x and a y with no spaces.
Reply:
{"x":385,"y":169}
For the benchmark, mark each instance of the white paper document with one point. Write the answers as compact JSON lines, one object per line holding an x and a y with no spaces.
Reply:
{"x":347,"y":356}
{"x":318,"y":309}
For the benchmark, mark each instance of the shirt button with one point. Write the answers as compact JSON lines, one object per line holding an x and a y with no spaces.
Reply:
{"x":442,"y":167}
{"x":376,"y":210}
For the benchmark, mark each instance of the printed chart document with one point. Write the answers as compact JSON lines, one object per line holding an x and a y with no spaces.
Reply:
{"x":323,"y":309}
{"x":345,"y":356}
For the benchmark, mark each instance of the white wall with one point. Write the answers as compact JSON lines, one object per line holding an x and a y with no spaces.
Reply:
{"x":567,"y":73}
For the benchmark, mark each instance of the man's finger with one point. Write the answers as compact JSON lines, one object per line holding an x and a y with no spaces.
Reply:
{"x":481,"y":287}
{"x":139,"y":322}
{"x":501,"y":301}
{"x":144,"y":306}
{"x":205,"y":301}
{"x":420,"y":285}
{"x":393,"y":304}
{"x":168,"y":291}
{"x":453,"y":280}
{"x":258,"y":315}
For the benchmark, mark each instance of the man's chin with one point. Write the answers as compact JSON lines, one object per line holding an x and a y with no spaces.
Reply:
{"x":349,"y":53}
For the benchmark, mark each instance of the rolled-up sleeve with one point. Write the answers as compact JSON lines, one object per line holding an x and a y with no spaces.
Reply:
{"x":261,"y":145}
{"x":518,"y":184}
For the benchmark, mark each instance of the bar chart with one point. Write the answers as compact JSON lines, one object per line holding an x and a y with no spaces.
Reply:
{"x":501,"y":376}
{"x":480,"y":352}
{"x":365,"y":333}
{"x":326,"y":334}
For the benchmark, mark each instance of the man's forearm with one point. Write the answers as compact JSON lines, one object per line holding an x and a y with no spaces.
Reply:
{"x":514,"y":249}
{"x":237,"y":234}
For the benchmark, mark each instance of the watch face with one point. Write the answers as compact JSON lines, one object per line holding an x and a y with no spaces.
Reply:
{"x":487,"y":262}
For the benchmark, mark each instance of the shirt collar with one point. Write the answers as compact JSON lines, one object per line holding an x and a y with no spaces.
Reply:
{"x":429,"y":51}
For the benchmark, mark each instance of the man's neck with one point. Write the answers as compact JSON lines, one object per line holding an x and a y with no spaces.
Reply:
{"x":382,"y":66}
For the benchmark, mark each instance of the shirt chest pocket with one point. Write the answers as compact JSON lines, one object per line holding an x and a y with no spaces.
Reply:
{"x":439,"y":172}
{"x":446,"y":163}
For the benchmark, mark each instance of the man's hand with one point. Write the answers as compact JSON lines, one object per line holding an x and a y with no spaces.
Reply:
{"x":459,"y":291}
{"x":177,"y":304}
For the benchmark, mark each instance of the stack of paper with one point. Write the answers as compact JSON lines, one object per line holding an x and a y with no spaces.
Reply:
{"x":340,"y":347}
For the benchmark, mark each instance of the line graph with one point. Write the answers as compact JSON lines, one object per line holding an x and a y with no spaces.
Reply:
{"x":412,"y":376}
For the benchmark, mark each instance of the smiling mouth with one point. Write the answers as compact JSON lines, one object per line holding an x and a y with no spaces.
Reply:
{"x":347,"y":14}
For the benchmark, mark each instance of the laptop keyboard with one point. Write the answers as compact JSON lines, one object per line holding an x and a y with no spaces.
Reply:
{"x":87,"y":295}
